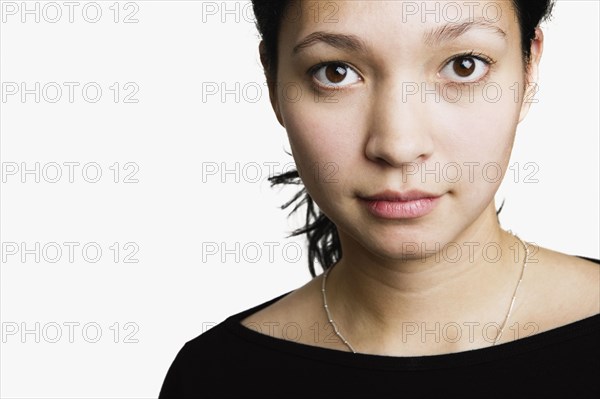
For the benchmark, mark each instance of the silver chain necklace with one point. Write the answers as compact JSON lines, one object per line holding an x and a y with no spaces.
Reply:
{"x":345,"y":341}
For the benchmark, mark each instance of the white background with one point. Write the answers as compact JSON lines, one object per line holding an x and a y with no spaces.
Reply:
{"x":171,"y":294}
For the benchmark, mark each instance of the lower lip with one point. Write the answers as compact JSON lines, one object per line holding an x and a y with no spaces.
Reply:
{"x":401,"y":209}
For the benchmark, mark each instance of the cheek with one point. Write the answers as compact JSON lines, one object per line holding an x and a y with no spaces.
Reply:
{"x":479,"y":138}
{"x":325,"y":142}
{"x":483,"y":132}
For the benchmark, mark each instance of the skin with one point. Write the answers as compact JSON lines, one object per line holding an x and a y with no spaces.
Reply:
{"x":375,"y":135}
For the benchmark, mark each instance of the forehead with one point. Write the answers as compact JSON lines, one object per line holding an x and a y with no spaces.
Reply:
{"x":404,"y":23}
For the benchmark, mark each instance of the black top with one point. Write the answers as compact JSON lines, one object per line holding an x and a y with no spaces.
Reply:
{"x":230,"y":360}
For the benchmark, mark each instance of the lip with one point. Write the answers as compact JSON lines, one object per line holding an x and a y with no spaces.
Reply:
{"x":390,"y":204}
{"x":390,"y":195}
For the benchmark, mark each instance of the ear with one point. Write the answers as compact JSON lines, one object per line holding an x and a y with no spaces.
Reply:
{"x":273,"y":97}
{"x":532,"y":73}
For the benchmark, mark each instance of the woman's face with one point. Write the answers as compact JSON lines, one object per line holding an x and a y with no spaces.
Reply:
{"x":401,"y":107}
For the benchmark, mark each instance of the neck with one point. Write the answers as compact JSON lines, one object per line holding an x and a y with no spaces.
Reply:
{"x":467,"y":280}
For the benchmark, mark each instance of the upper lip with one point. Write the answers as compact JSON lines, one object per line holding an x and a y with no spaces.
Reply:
{"x":390,"y":195}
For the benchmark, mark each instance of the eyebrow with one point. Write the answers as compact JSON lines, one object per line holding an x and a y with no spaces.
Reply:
{"x":433,"y":37}
{"x":451,"y":31}
{"x":340,"y":41}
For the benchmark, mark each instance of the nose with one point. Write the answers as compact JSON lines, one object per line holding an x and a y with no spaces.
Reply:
{"x":400,"y":126}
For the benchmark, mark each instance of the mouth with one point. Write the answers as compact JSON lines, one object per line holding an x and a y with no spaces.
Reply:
{"x":390,"y":204}
{"x":390,"y":195}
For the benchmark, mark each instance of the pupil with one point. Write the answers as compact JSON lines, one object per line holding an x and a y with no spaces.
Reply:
{"x":335,"y":73}
{"x":464,"y":67}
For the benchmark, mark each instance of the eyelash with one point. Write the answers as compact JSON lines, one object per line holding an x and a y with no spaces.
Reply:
{"x":313,"y":70}
{"x":481,"y":57}
{"x":473,"y":54}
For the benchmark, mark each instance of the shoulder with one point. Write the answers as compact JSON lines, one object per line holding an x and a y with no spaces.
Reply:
{"x":559,"y":289}
{"x":206,"y":363}
{"x":571,"y":276}
{"x":293,"y":306}
{"x":228,"y":336}
{"x":203,"y":348}
{"x":231,"y":334}
{"x":200,"y":366}
{"x":297,"y":317}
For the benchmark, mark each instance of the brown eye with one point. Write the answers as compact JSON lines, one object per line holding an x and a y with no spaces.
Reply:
{"x":466,"y":69}
{"x":464,"y":66}
{"x":335,"y":74}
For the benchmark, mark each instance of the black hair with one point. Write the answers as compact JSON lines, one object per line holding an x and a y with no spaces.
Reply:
{"x":323,"y":239}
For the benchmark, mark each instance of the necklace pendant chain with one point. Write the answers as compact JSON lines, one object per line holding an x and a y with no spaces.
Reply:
{"x":501,"y":330}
